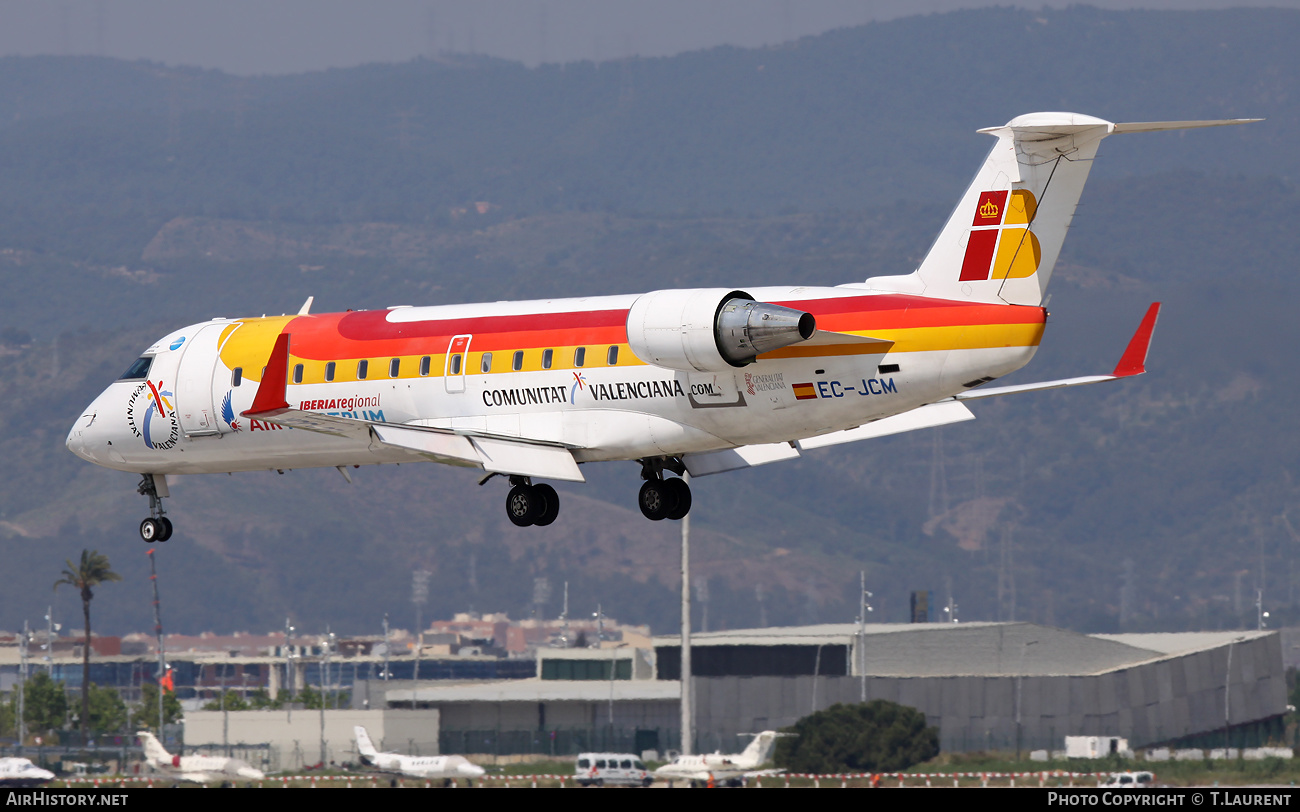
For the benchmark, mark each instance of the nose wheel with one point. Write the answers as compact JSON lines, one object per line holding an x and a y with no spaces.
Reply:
{"x":157,"y":527}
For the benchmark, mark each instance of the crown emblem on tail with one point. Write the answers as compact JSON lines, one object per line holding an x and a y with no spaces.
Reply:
{"x":989,"y":209}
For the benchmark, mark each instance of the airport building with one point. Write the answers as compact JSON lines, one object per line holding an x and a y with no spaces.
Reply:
{"x":986,"y":686}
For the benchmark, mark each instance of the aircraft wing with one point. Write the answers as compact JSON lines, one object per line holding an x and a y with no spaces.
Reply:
{"x":503,"y":455}
{"x":939,"y":413}
{"x":1132,"y":362}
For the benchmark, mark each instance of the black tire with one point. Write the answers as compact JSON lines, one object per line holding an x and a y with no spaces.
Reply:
{"x":655,"y":500}
{"x":150,"y":530}
{"x":165,"y":528}
{"x":523,"y":506}
{"x":551,"y":508}
{"x":681,"y":492}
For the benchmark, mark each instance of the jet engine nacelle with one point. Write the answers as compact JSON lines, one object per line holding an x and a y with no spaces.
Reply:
{"x":711,"y":329}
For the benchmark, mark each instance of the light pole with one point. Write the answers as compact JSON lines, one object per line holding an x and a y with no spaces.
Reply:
{"x":289,"y":673}
{"x":1020,"y":675}
{"x":22,"y":686}
{"x":863,"y":608}
{"x":687,"y":716}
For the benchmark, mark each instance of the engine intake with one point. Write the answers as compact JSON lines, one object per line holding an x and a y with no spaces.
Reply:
{"x":711,"y":329}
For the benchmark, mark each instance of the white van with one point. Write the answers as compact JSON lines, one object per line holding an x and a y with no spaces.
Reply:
{"x":599,"y":769}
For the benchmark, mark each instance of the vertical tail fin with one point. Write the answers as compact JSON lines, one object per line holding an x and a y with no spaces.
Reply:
{"x":759,"y":749}
{"x":364,"y":746}
{"x":153,"y":749}
{"x":1001,"y":242}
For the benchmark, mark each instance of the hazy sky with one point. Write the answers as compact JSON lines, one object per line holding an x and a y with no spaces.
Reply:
{"x":288,"y":36}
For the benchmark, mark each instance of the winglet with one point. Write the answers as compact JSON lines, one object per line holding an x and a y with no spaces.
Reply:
{"x":1133,"y":362}
{"x":271,"y":394}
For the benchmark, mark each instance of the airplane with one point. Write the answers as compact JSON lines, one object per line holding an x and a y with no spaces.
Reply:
{"x":21,"y":772}
{"x":195,"y":769}
{"x":685,"y":381}
{"x":719,"y":767}
{"x":414,"y":766}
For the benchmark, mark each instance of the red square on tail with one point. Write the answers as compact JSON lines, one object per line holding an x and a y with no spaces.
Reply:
{"x":990,"y":209}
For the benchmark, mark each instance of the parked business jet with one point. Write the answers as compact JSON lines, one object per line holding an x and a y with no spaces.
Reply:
{"x":195,"y":769}
{"x":696,"y":380}
{"x":719,"y":767}
{"x":21,"y":772}
{"x":414,"y":766}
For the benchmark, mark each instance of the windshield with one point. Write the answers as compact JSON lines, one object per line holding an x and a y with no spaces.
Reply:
{"x":138,"y":370}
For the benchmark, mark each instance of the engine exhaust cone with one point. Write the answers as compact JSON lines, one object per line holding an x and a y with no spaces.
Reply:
{"x":747,"y":329}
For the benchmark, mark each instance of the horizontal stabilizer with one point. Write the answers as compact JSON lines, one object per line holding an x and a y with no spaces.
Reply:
{"x":1162,"y":126}
{"x":934,"y":414}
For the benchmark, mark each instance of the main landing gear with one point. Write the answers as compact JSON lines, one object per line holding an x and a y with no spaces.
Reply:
{"x":662,"y":498}
{"x":157,"y":527}
{"x":531,"y":504}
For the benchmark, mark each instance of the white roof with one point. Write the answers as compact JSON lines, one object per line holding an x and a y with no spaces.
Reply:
{"x":541,"y":690}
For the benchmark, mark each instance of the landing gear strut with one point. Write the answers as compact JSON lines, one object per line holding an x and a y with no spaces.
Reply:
{"x":529,"y":504}
{"x":661,"y":498}
{"x":157,"y":527}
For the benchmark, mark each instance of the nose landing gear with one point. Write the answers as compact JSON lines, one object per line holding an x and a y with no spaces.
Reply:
{"x":157,"y":527}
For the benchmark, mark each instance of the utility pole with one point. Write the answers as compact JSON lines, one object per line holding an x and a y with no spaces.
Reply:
{"x":688,"y":733}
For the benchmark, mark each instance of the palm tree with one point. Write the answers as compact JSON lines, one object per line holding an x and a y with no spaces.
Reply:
{"x":93,"y":571}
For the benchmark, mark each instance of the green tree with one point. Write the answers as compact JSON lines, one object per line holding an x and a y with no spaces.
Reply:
{"x":146,"y":713}
{"x":261,"y":700}
{"x":45,"y":705}
{"x":234,"y":702}
{"x":877,"y":736}
{"x":108,"y":713}
{"x":9,"y":716}
{"x":93,"y":570}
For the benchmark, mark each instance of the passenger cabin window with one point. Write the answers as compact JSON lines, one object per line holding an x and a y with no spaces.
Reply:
{"x":626,"y":764}
{"x":600,"y":765}
{"x":237,"y":376}
{"x":138,"y":370}
{"x":611,"y":357}
{"x":547,"y":355}
{"x":518,"y":362}
{"x":584,"y":763}
{"x":424,"y":366}
{"x":329,"y":371}
{"x":394,"y":365}
{"x":362,"y":368}
{"x":297,"y":373}
{"x":455,"y":364}
{"x":579,"y":356}
{"x":486,"y":363}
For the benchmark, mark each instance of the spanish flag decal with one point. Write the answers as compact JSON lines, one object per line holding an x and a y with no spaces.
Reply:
{"x":804,"y":391}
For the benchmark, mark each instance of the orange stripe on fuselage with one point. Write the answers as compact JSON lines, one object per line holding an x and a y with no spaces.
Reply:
{"x":368,"y":334}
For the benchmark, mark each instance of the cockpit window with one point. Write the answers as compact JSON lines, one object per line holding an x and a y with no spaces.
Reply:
{"x":138,"y":370}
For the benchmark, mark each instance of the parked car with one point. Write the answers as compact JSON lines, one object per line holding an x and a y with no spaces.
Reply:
{"x":1130,"y":780}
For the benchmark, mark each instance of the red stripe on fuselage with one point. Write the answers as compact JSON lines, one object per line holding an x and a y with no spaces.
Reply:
{"x":368,"y":333}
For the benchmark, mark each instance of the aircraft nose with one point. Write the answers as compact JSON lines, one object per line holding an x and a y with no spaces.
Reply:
{"x":78,"y":441}
{"x":470,"y":770}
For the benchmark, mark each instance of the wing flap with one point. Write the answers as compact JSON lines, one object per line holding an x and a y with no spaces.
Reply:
{"x":527,"y":459}
{"x":732,"y":459}
{"x":924,"y":417}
